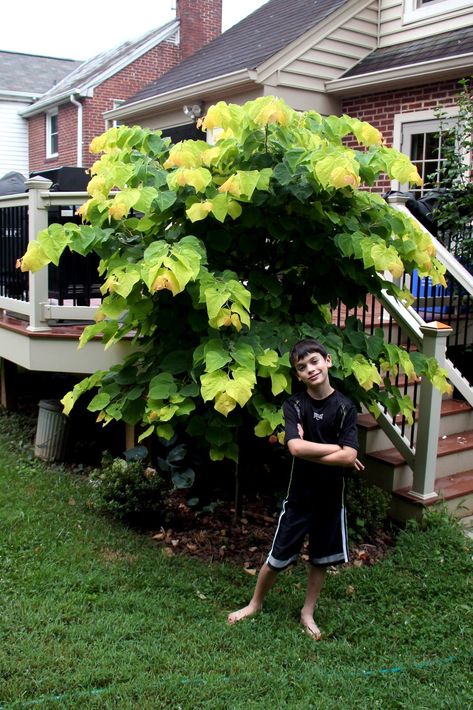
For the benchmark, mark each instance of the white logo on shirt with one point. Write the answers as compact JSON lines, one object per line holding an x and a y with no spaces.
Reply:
{"x":318,"y":416}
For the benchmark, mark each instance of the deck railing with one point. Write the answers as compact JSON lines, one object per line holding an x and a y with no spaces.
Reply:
{"x":439,"y":324}
{"x":67,"y":293}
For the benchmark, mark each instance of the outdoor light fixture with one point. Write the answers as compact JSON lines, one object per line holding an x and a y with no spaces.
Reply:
{"x":193,"y":111}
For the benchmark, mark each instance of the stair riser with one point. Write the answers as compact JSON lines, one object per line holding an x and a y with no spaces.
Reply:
{"x":403,"y":510}
{"x":377,"y":440}
{"x":454,"y":463}
{"x":388,"y":477}
{"x":396,"y":477}
{"x":460,"y":507}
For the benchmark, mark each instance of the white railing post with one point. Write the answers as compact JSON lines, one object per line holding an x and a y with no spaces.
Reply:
{"x":37,"y":220}
{"x":430,"y":402}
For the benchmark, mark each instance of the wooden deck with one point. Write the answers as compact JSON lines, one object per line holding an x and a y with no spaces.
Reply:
{"x":56,"y":349}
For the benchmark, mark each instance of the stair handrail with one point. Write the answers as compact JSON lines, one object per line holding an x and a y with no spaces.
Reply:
{"x":458,"y":271}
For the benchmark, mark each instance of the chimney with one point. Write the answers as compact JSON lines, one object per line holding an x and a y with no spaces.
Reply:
{"x":200,"y":22}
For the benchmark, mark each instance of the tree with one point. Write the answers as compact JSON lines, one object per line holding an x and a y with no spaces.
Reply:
{"x":217,"y":258}
{"x":454,"y":211}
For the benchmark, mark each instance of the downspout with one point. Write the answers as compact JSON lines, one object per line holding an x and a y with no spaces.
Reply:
{"x":74,"y":101}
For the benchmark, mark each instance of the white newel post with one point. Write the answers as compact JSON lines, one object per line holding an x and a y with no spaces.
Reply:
{"x":37,"y":220}
{"x":430,"y":402}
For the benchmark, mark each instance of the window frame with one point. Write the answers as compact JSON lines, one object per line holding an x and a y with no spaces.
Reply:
{"x":425,"y":119}
{"x":417,"y":10}
{"x":50,"y":134}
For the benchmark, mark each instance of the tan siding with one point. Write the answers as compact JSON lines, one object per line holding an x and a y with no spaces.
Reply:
{"x":313,"y":70}
{"x":393,"y":31}
{"x":341,"y":59}
{"x":300,"y":81}
{"x":333,"y":47}
{"x":333,"y":55}
{"x":345,"y":35}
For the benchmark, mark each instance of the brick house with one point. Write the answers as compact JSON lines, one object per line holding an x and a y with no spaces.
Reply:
{"x":66,"y":118}
{"x":390,"y":62}
{"x":24,"y":78}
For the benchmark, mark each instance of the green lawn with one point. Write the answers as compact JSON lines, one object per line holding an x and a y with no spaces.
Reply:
{"x":95,"y":616}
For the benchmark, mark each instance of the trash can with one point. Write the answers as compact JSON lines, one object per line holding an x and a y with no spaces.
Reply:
{"x":51,"y":431}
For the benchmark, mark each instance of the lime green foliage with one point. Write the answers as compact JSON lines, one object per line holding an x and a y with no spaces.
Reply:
{"x":128,"y":490}
{"x":96,"y":616}
{"x":217,"y":258}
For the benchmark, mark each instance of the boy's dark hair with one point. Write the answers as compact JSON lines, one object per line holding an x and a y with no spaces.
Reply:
{"x":305,"y":347}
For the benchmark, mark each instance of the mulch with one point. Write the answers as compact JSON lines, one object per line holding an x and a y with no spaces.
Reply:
{"x":218,"y":537}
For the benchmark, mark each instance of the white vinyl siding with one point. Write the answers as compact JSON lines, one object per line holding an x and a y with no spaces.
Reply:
{"x":13,"y":139}
{"x":442,"y":16}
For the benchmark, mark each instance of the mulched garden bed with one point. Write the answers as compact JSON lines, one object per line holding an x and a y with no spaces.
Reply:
{"x":216,"y":537}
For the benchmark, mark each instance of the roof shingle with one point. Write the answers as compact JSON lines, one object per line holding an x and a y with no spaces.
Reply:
{"x":31,"y":73}
{"x":246,"y":45}
{"x":442,"y":46}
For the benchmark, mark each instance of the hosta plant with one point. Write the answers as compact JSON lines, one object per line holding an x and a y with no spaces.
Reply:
{"x":216,"y":258}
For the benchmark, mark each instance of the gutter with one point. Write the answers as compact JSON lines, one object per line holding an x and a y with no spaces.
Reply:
{"x":43,"y":104}
{"x":74,"y":101}
{"x":175,"y":96}
{"x":18,"y":95}
{"x":421,"y":71}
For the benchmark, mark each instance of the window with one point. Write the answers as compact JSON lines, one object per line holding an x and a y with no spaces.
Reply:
{"x":418,"y":135}
{"x":116,"y":103}
{"x":422,"y":142}
{"x":416,"y":10}
{"x":52,"y":136}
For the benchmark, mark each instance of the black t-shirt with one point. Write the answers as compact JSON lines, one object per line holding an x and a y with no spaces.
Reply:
{"x":332,"y":420}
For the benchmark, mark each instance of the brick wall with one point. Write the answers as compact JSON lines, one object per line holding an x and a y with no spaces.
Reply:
{"x":200,"y":22}
{"x":380,"y":109}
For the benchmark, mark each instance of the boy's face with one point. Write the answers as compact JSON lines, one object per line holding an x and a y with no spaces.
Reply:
{"x":312,"y":370}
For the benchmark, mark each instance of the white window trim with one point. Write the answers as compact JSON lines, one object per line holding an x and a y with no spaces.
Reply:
{"x":415,"y":117}
{"x":116,"y":103}
{"x":414,"y":13}
{"x":49,"y":154}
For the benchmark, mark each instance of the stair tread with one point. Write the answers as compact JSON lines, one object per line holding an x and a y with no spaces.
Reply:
{"x":448,"y":407}
{"x":447,"y":487}
{"x":453,"y":443}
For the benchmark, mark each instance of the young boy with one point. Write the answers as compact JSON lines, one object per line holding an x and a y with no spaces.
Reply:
{"x":321,"y":435}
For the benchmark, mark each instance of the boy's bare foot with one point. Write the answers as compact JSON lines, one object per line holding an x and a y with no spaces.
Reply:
{"x":310,"y":627}
{"x":247,"y":611}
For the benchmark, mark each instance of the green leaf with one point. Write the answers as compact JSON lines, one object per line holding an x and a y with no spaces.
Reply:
{"x":215,"y":299}
{"x":190,"y":390}
{"x":99,"y":402}
{"x":162,"y":386}
{"x":212,"y":383}
{"x":183,"y":479}
{"x":164,"y":200}
{"x":215,"y":356}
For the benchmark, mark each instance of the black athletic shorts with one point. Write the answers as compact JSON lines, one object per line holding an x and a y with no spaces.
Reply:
{"x":325,"y":524}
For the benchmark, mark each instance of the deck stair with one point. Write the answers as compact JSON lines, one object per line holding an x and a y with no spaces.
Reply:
{"x":387,"y":468}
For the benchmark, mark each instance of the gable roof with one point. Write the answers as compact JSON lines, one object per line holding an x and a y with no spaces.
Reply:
{"x":246,"y":45}
{"x":82,"y":80}
{"x":449,"y":44}
{"x":31,"y":73}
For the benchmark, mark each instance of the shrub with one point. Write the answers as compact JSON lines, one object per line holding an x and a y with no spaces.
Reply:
{"x":367,"y":507}
{"x":128,"y":490}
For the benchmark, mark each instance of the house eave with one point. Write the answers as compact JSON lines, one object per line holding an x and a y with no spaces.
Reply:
{"x":409,"y":75}
{"x":203,"y":89}
{"x":18,"y":95}
{"x":42,"y":106}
